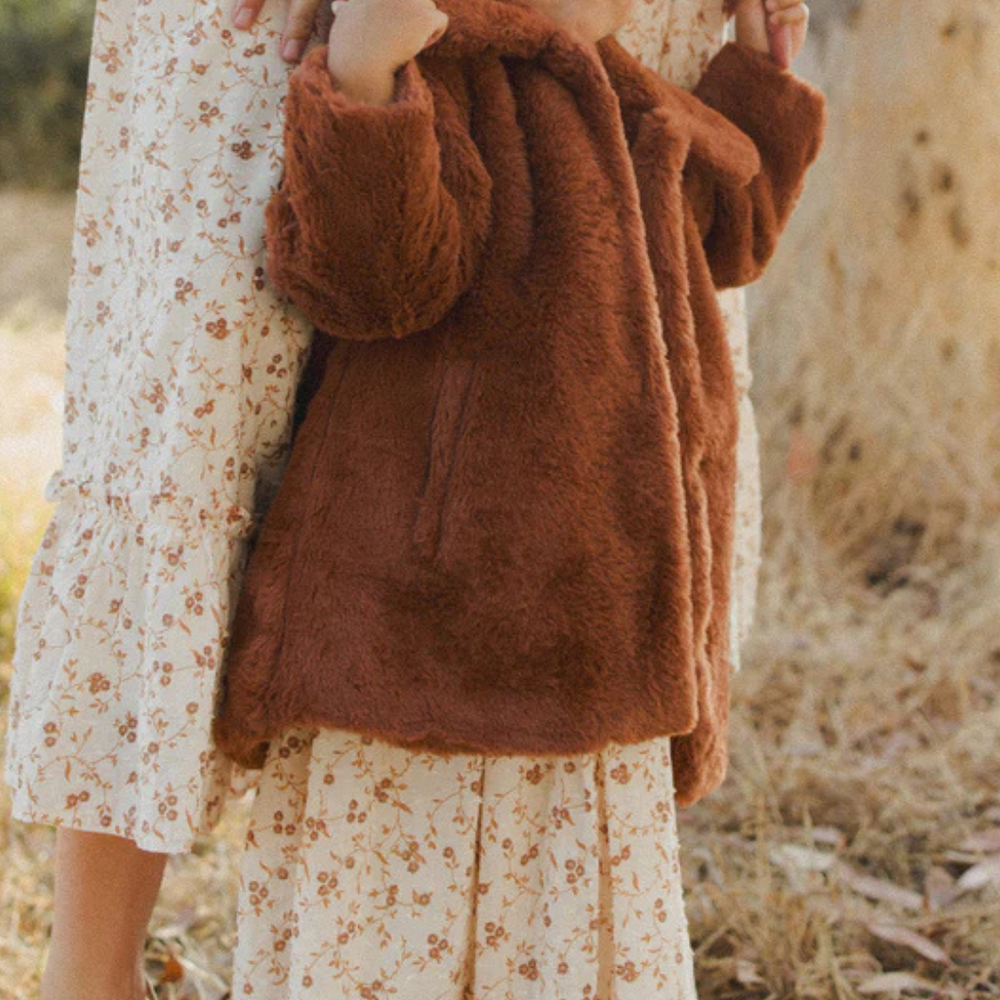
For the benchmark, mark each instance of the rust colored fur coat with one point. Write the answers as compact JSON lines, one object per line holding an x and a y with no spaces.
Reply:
{"x":506,"y":522}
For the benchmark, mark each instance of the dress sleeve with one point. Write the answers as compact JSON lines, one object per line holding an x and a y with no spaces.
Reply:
{"x":785,"y":118}
{"x":376,"y":227}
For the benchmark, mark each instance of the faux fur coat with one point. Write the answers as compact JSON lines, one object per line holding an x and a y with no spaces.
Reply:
{"x":506,"y":521}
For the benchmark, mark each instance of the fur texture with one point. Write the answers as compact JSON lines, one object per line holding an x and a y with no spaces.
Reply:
{"x":506,"y":522}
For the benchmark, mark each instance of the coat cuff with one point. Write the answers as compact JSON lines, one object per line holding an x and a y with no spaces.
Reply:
{"x":323,"y":109}
{"x":359,"y":182}
{"x":777,"y":109}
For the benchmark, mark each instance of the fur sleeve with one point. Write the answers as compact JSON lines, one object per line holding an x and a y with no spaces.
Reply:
{"x":376,"y":226}
{"x":785,"y":118}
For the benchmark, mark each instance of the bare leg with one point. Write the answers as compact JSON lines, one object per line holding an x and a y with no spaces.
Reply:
{"x":105,"y":890}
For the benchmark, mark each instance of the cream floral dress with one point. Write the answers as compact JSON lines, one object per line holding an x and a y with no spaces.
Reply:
{"x":368,"y":870}
{"x":180,"y":370}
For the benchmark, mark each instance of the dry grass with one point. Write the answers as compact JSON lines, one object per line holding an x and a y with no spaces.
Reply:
{"x":855,"y":848}
{"x":858,"y":833}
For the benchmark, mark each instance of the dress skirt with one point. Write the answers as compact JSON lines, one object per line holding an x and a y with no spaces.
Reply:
{"x":372,"y":871}
{"x":369,"y":870}
{"x":181,"y":364}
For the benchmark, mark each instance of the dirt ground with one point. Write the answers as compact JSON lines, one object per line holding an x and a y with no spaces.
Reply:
{"x":854,"y":849}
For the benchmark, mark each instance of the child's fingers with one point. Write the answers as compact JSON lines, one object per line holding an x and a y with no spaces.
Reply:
{"x":798,"y":14}
{"x":773,"y":6}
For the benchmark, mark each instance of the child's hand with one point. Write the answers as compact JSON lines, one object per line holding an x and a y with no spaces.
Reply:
{"x":775,"y":26}
{"x":371,"y":39}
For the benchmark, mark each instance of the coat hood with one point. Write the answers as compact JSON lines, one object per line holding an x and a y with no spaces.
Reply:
{"x":518,"y":29}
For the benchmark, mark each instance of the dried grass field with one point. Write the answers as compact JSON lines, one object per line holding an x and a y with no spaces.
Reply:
{"x":854,"y":850}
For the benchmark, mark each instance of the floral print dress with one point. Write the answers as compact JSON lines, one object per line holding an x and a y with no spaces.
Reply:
{"x":368,"y":870}
{"x":181,"y":365}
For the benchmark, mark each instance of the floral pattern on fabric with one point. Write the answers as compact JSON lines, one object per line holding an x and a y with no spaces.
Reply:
{"x":181,"y":365}
{"x":374,"y":871}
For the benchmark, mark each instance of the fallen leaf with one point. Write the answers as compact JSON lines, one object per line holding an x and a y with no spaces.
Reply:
{"x":979,"y":875}
{"x":987,"y":841}
{"x":896,"y":934}
{"x":747,"y":974}
{"x":939,"y":888}
{"x":897,"y":982}
{"x":804,"y":858}
{"x":173,"y":971}
{"x":879,"y":888}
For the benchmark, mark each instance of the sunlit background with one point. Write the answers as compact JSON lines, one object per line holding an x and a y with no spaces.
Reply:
{"x":854,"y":849}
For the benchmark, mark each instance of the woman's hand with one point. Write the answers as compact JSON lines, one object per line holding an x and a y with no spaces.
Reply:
{"x":301,"y":17}
{"x":775,"y":26}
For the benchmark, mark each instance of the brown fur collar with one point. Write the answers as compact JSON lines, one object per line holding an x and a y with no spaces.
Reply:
{"x":500,"y":27}
{"x":516,"y":28}
{"x":492,"y":27}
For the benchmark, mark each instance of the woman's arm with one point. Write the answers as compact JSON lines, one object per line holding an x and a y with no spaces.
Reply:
{"x":373,"y":233}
